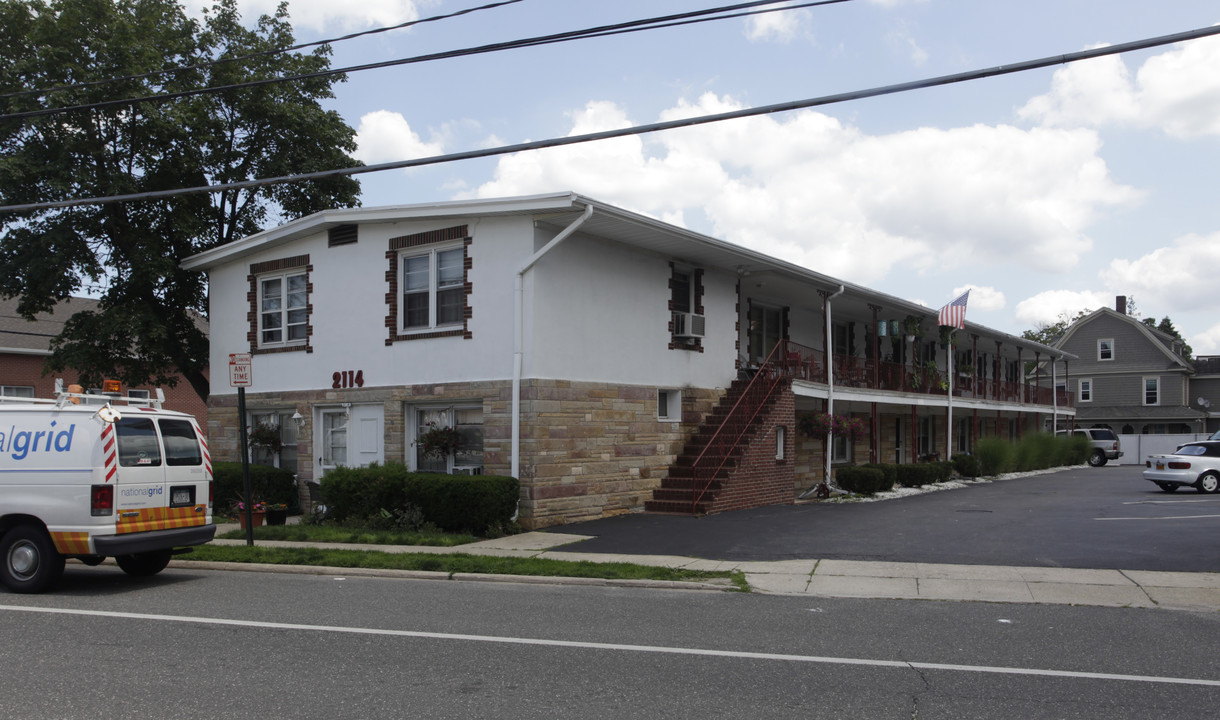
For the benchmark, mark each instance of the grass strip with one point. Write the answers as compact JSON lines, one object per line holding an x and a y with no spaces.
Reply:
{"x":453,"y":563}
{"x":336,"y":534}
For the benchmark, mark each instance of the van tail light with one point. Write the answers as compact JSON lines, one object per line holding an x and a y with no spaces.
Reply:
{"x":101,"y":500}
{"x":211,"y":492}
{"x":1178,"y":465}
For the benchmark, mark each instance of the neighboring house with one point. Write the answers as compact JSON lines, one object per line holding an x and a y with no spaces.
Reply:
{"x":25,"y":347}
{"x":591,"y":352}
{"x":1133,"y":379}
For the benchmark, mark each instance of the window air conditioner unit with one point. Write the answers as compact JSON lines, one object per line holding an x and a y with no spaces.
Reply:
{"x":689,"y":325}
{"x":468,"y":470}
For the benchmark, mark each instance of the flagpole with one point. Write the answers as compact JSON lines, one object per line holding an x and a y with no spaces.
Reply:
{"x":949,"y":421}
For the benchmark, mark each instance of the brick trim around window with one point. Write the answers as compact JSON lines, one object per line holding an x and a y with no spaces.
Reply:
{"x":404,"y":242}
{"x":271,"y":266}
{"x":696,"y":278}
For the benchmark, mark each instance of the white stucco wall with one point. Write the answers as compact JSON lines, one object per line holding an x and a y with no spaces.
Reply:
{"x":349,"y":310}
{"x":600,"y":314}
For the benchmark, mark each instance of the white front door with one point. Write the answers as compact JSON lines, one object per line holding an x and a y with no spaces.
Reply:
{"x":350,"y":436}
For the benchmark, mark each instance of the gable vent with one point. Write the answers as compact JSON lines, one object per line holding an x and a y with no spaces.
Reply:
{"x":341,"y":235}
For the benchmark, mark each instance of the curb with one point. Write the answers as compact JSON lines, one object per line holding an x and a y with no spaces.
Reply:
{"x":461,"y":577}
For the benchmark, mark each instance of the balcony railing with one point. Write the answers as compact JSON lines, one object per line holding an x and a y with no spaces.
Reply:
{"x":804,"y":363}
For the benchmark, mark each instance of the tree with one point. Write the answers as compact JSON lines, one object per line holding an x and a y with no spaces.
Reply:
{"x":147,"y":322}
{"x":1049,"y":334}
{"x":1166,"y":326}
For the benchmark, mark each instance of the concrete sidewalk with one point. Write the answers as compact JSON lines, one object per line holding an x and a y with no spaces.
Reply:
{"x":862,"y":579}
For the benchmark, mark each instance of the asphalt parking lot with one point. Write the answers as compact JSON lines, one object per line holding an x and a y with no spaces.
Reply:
{"x":1104,"y":518}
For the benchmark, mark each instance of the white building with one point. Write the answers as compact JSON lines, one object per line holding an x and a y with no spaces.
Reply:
{"x":579,"y":346}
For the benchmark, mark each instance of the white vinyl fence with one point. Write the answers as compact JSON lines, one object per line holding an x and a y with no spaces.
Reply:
{"x":1136,"y":448}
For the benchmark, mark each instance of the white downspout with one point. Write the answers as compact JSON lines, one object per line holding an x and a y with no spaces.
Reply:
{"x":519,"y":331}
{"x":830,"y":377}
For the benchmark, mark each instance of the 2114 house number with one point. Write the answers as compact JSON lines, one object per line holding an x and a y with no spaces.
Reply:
{"x":347,"y":379}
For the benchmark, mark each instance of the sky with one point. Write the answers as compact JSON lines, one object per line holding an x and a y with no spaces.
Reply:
{"x":1044,"y":192}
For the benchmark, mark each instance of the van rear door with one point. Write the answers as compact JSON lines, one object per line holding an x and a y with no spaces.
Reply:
{"x":141,"y":484}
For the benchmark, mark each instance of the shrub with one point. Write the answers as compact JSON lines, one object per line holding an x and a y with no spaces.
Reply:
{"x":916,"y":474}
{"x":862,"y":480}
{"x":454,"y":503}
{"x":942,"y":470}
{"x":270,"y":484}
{"x":889,"y":470}
{"x":995,"y":456}
{"x":966,"y":465}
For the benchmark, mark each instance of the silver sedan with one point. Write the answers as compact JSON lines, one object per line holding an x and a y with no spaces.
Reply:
{"x":1196,"y":465}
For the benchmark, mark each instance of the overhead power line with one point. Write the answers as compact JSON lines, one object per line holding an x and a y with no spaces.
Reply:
{"x":252,"y":56}
{"x":655,"y":23}
{"x":650,"y":128}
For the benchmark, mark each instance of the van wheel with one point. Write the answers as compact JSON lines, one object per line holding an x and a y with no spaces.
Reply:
{"x":1097,"y":459}
{"x":144,"y":564}
{"x":30,"y":562}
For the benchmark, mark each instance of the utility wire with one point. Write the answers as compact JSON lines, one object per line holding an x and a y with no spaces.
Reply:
{"x":650,"y":128}
{"x":226,"y":61}
{"x":601,"y":31}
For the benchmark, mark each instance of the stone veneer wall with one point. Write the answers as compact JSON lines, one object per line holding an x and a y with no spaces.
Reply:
{"x":588,"y":450}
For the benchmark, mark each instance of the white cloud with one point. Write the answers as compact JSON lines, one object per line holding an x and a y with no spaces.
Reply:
{"x":1177,"y":91}
{"x":1206,"y":342}
{"x":324,"y":16}
{"x":1178,"y":278}
{"x":385,"y":136}
{"x":806,"y":188}
{"x":981,"y":298}
{"x":781,"y":26}
{"x":903,"y":42}
{"x":1048,"y":308}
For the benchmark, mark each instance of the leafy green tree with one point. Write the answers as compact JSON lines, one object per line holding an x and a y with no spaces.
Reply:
{"x":147,"y":324}
{"x":1166,"y":326}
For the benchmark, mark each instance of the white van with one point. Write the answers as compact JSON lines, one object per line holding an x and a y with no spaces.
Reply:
{"x":90,"y":476}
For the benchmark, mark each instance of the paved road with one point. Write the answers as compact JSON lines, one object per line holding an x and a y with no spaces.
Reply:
{"x":1103,"y":518}
{"x":192,"y":643}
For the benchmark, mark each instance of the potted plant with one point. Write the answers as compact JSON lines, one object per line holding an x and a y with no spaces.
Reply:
{"x":258,"y":512}
{"x":277,"y":513}
{"x":439,"y":440}
{"x":910,"y":327}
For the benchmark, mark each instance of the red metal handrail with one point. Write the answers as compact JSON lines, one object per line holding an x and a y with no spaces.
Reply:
{"x":774,"y":370}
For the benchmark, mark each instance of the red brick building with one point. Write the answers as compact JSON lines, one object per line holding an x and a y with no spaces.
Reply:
{"x":25,"y":346}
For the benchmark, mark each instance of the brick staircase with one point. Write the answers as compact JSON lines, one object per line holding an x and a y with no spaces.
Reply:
{"x":685,"y":483}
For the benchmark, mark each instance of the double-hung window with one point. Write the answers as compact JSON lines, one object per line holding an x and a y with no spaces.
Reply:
{"x":1086,"y":390}
{"x":1152,"y":391}
{"x":1105,"y":349}
{"x":283,"y":309}
{"x":433,"y":292}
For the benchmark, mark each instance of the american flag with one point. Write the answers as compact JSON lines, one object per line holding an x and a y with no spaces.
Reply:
{"x":954,"y":314}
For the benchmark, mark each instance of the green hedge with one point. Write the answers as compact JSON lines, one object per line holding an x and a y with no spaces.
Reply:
{"x":1038,"y":451}
{"x":917,"y":474}
{"x":455,"y":503}
{"x":966,"y":465}
{"x":889,"y":470}
{"x":863,"y":480}
{"x":269,"y":484}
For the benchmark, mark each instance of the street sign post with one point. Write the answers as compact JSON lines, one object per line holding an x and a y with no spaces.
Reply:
{"x":241,"y":376}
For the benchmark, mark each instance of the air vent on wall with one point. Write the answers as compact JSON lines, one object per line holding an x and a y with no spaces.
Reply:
{"x":341,"y":235}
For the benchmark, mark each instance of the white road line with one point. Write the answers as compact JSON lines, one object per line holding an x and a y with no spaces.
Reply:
{"x":1168,"y":517}
{"x":1172,"y":502}
{"x":702,"y":652}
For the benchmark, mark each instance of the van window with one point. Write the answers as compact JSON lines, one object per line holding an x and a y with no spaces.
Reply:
{"x":181,"y":445}
{"x":138,"y":443}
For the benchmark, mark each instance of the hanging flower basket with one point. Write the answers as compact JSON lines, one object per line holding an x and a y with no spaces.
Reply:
{"x":266,"y":436}
{"x":439,"y":441}
{"x":819,"y":424}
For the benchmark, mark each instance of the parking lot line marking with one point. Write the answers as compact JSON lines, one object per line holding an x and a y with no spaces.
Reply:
{"x":1173,"y":502}
{"x":1168,"y":517}
{"x":702,"y":652}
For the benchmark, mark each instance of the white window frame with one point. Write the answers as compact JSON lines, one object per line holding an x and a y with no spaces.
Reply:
{"x":446,"y":414}
{"x":841,"y":449}
{"x":284,"y":310}
{"x":1084,"y":390}
{"x":1156,"y":381}
{"x":17,"y":391}
{"x":433,"y":290}
{"x":669,"y":405}
{"x":781,"y":437}
{"x":1105,"y":343}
